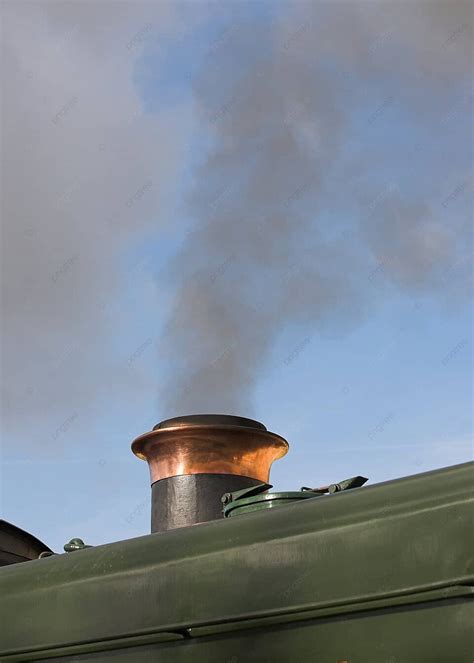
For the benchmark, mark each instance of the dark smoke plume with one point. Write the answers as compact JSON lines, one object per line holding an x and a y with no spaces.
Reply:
{"x":302,"y":207}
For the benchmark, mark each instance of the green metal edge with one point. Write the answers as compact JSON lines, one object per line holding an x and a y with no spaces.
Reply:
{"x":442,"y":594}
{"x":457,"y":591}
{"x":92,"y":647}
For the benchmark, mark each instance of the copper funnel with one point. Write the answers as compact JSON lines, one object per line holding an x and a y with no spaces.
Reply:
{"x":209,"y":444}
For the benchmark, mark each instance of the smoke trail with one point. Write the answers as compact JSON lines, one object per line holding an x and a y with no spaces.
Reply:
{"x":302,"y":204}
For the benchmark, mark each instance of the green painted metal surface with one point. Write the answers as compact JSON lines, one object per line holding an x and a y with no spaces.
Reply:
{"x":381,"y":574}
{"x":410,"y":636}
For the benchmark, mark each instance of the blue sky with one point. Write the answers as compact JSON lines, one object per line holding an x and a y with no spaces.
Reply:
{"x":387,"y":396}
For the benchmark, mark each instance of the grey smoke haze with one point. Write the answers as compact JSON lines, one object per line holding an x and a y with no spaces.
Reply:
{"x":300,"y":216}
{"x":85,"y":172}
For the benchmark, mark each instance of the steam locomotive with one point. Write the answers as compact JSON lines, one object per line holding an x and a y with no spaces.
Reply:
{"x":234,"y":572}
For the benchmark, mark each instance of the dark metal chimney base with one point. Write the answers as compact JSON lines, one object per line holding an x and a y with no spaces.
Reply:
{"x":192,"y":498}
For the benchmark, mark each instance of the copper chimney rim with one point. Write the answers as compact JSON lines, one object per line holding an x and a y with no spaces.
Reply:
{"x":209,"y":444}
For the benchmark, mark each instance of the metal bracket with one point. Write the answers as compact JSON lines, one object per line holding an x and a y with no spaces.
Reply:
{"x":227,"y":498}
{"x":347,"y":484}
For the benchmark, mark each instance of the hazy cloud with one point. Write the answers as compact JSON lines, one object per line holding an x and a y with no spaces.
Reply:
{"x":85,"y":171}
